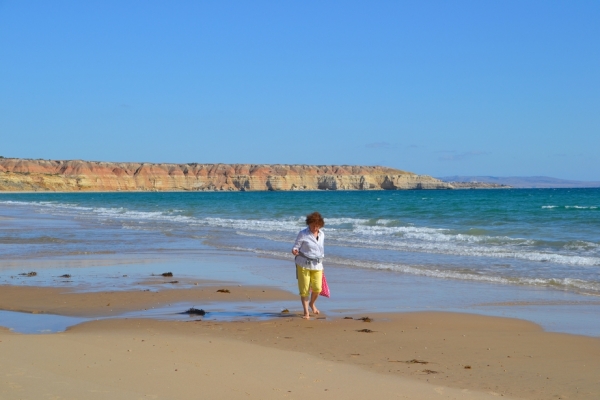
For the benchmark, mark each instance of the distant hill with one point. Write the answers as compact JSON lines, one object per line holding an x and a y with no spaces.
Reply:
{"x":523,"y":181}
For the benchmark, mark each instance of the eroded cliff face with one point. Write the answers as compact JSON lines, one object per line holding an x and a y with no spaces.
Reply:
{"x":76,"y":175}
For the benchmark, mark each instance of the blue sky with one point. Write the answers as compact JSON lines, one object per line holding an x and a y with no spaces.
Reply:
{"x":434,"y":87}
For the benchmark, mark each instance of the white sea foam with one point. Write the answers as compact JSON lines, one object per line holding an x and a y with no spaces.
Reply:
{"x":574,"y":207}
{"x":345,"y":221}
{"x":120,"y":213}
{"x":445,"y":273}
{"x":453,"y":248}
{"x":354,"y":232}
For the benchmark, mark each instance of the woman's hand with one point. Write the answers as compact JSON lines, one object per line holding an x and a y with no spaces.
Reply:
{"x":295,"y":252}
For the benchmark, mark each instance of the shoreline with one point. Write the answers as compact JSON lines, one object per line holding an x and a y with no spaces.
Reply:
{"x":198,"y":271}
{"x":65,"y":302}
{"x":422,"y":354}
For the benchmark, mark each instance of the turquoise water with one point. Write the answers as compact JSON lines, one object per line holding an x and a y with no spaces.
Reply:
{"x":537,"y":238}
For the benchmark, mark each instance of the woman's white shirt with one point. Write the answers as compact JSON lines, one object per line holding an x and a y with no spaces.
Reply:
{"x":312,"y":247}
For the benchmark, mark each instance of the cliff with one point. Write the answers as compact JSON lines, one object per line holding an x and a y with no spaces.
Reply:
{"x":76,"y":175}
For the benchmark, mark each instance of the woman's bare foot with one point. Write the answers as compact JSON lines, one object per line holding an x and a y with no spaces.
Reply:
{"x":314,"y":309}
{"x":306,"y":316}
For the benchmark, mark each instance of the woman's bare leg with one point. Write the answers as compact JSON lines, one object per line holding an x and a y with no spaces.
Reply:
{"x":305,"y":307}
{"x":314,"y":296}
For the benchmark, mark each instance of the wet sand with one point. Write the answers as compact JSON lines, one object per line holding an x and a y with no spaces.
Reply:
{"x":63,"y":301}
{"x":405,"y":355}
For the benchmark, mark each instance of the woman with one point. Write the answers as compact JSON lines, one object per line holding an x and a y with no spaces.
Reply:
{"x":309,"y":252}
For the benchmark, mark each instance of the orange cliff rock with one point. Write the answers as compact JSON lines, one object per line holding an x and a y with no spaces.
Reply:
{"x":20,"y":175}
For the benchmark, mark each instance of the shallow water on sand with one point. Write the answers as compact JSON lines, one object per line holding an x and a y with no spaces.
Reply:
{"x":37,"y":323}
{"x":355,"y":292}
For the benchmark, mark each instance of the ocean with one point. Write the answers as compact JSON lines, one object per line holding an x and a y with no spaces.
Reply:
{"x":508,"y":249}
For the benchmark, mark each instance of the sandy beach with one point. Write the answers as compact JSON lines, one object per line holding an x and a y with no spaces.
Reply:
{"x":425,"y":355}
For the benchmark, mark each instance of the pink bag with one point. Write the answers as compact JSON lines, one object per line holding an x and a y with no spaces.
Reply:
{"x":325,"y":288}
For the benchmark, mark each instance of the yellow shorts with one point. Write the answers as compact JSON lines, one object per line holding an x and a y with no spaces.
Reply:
{"x":308,"y":278}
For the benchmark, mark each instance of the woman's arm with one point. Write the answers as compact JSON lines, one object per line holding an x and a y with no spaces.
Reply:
{"x":298,"y":243}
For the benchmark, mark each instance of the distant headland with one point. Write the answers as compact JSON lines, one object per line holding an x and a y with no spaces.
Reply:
{"x":520,"y":182}
{"x":28,"y":175}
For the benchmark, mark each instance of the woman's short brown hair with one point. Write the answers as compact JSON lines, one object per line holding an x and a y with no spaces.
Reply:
{"x":315,"y":218}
